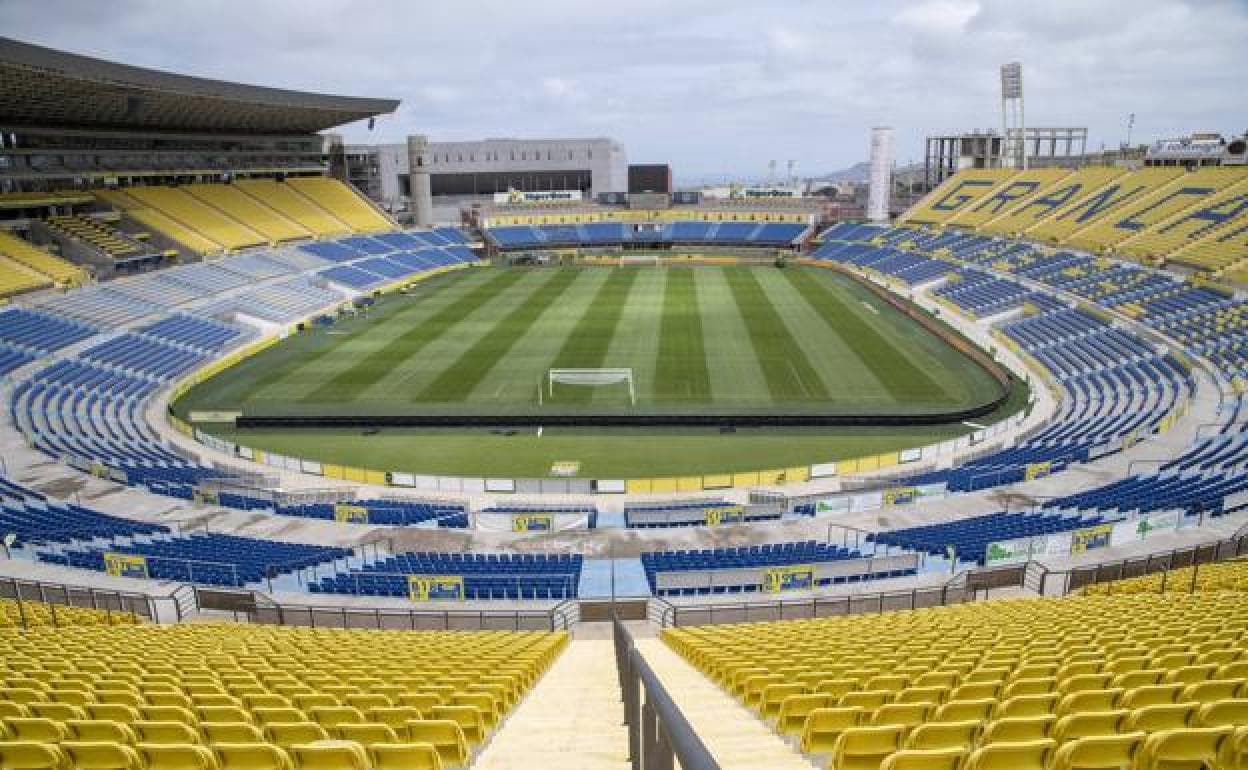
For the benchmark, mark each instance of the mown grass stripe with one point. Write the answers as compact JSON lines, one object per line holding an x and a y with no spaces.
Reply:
{"x":789,"y":374}
{"x":354,"y":380}
{"x":680,"y":362}
{"x":587,"y":344}
{"x":456,"y":381}
{"x":896,"y":372}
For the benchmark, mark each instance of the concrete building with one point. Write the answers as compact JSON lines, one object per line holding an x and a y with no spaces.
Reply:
{"x":465,"y":172}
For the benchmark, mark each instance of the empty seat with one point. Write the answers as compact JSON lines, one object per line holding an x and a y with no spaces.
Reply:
{"x":1191,"y":748}
{"x":929,"y":759}
{"x":444,"y":735}
{"x":1101,"y":752}
{"x":329,"y":755}
{"x":944,"y":735}
{"x":102,"y":755}
{"x":824,"y":725}
{"x":172,"y":756}
{"x":31,"y":755}
{"x":1029,"y":755}
{"x":404,"y":756}
{"x":251,"y":756}
{"x":865,"y":748}
{"x":287,"y":734}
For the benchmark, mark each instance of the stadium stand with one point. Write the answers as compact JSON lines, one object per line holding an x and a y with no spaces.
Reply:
{"x":156,"y":220}
{"x":249,"y":211}
{"x":485,"y":575}
{"x":291,"y":204}
{"x":1026,"y":212}
{"x":1017,"y":190}
{"x":235,"y":697}
{"x":680,"y":231}
{"x":204,"y":220}
{"x":1061,"y":223}
{"x":345,"y":205}
{"x":25,"y":267}
{"x":960,"y":193}
{"x":97,"y":234}
{"x":35,"y":519}
{"x":212,"y":559}
{"x":1068,"y":675}
{"x":35,"y":614}
{"x":969,"y":538}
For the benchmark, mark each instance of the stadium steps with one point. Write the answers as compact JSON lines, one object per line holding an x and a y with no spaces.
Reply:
{"x":735,"y":737}
{"x":572,"y":718}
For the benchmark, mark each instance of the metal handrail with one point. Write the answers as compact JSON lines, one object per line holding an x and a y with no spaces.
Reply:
{"x":560,"y":616}
{"x":658,"y":732}
{"x":52,"y":595}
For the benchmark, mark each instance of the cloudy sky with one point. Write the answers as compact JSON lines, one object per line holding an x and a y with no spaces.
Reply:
{"x":711,"y":86}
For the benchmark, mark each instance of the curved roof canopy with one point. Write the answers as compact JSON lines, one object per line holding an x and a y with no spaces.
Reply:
{"x":48,"y":88}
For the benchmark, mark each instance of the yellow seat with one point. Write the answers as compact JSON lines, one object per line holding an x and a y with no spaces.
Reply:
{"x":867,"y":700}
{"x":404,"y":756}
{"x":1223,"y":712}
{"x":1035,"y":686}
{"x":11,"y":709}
{"x":1027,"y":706}
{"x":396,"y":717}
{"x":265,"y":701}
{"x":366,"y":701}
{"x":223,"y":714}
{"x":59,"y":712}
{"x":774,"y":695}
{"x":1089,"y":700}
{"x":329,"y":755}
{"x":467,"y":717}
{"x":1088,"y":723}
{"x":251,"y":756}
{"x":1192,"y":748}
{"x":112,"y":712}
{"x":483,"y":702}
{"x":267,"y":715}
{"x":165,"y":732}
{"x":928,"y":759}
{"x":287,"y":734}
{"x":102,"y":755}
{"x":169,"y":714}
{"x":330,"y":717}
{"x":35,"y":729}
{"x":901,"y":714}
{"x":444,"y":735}
{"x":174,"y":756}
{"x":1211,"y":690}
{"x":230,"y":732}
{"x":1102,"y":752}
{"x":945,"y":735}
{"x":367,"y":733}
{"x":865,"y":748}
{"x":824,"y":725}
{"x":1019,"y":729}
{"x":961,"y":710}
{"x":1151,"y":695}
{"x":1163,"y":716}
{"x":170,"y":699}
{"x":421,"y":701}
{"x":1234,"y":754}
{"x":1029,"y":755}
{"x":101,"y":730}
{"x":308,"y":701}
{"x":791,"y":717}
{"x":31,"y":755}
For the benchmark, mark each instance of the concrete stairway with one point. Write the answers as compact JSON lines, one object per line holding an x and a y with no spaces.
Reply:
{"x":732,"y":733}
{"x":571,"y":719}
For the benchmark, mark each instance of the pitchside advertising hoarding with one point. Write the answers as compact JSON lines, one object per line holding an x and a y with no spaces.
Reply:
{"x":1082,"y":540}
{"x":544,"y":196}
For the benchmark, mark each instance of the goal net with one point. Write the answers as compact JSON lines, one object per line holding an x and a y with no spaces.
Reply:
{"x":590,"y":378}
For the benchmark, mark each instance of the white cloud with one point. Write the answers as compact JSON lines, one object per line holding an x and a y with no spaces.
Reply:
{"x":712,"y":86}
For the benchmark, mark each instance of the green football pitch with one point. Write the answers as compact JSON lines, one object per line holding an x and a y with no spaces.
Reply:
{"x":697,"y":339}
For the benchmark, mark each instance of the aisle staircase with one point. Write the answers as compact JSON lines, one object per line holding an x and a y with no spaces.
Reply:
{"x":571,"y":720}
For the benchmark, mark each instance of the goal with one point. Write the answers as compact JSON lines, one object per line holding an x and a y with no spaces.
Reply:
{"x":588,"y":378}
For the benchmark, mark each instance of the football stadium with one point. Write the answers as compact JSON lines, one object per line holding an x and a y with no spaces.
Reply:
{"x":326,"y":456}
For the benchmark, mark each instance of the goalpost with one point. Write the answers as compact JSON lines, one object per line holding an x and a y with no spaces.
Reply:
{"x":589,"y":378}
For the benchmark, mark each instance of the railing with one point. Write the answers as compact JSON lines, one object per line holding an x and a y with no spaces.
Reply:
{"x":815,"y":607}
{"x":658,"y":732}
{"x":255,"y":608}
{"x":1063,"y":582}
{"x":134,"y":605}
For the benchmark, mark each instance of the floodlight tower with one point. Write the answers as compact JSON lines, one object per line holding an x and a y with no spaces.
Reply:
{"x":1013,"y":130}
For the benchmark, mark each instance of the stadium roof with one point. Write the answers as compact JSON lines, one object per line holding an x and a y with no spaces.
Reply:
{"x":48,"y":88}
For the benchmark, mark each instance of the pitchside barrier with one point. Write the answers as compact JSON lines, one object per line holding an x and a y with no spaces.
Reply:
{"x":789,"y":578}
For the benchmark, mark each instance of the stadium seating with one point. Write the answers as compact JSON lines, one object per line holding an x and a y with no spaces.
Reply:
{"x":36,"y":520}
{"x":345,"y":204}
{"x":1017,"y":191}
{"x":30,"y":614}
{"x":969,"y":538}
{"x":753,"y":560}
{"x":960,"y":193}
{"x":206,"y":221}
{"x":679,"y":231}
{"x":25,"y":267}
{"x":1026,"y":212}
{"x":387,"y":512}
{"x":1133,"y":674}
{"x":97,"y":234}
{"x":294,"y":206}
{"x":143,"y":697}
{"x":213,"y":559}
{"x":40,"y":332}
{"x":485,"y":576}
{"x":249,"y":211}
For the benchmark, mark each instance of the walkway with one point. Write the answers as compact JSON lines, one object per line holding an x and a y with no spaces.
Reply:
{"x":732,"y":733}
{"x":572,"y":719}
